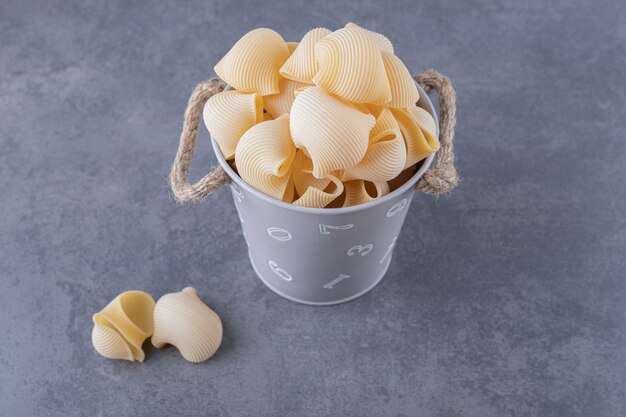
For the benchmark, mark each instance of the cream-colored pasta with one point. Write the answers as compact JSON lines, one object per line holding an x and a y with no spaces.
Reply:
{"x":264,"y":155}
{"x":292,"y":46}
{"x":318,"y":197}
{"x":403,"y":90}
{"x":267,"y":116}
{"x":419,"y":130}
{"x":334,"y":133}
{"x":181,"y":319}
{"x":351,"y":67}
{"x":123,"y":325}
{"x":278,"y":104}
{"x":386,"y":155}
{"x":383,"y":42}
{"x":301,"y":65}
{"x":253,"y":63}
{"x":359,"y":192}
{"x":302,"y":174}
{"x":228,"y":115}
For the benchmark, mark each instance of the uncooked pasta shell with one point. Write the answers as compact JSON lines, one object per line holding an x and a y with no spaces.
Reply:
{"x":279,"y":104}
{"x":302,"y":174}
{"x":264,"y":155}
{"x":403,"y":89}
{"x":351,"y":67}
{"x":419,"y":130}
{"x":334,"y":133}
{"x":301,"y":65}
{"x":359,"y":192}
{"x":129,"y":316}
{"x":383,"y":43}
{"x":320,"y":197}
{"x":252,"y":64}
{"x":228,"y":115}
{"x":386,"y":155}
{"x":181,"y":319}
{"x":292,"y":46}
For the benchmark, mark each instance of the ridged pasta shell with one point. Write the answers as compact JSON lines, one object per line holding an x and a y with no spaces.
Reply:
{"x":279,"y":104}
{"x":383,"y":42}
{"x":351,"y":67}
{"x":264,"y":155}
{"x":403,"y":90}
{"x":252,"y":64}
{"x":359,"y":192}
{"x":301,"y":65}
{"x":127,"y":320}
{"x":228,"y":115}
{"x":419,"y":130}
{"x":334,"y":133}
{"x":302,"y":174}
{"x":318,"y":197}
{"x":181,"y":319}
{"x":386,"y":154}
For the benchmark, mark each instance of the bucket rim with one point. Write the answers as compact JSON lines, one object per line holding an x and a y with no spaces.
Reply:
{"x":426,"y":105}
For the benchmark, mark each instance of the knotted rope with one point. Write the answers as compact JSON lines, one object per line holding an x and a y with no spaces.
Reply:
{"x":440,"y":178}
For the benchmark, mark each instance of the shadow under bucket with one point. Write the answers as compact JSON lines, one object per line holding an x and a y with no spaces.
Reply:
{"x":322,"y":256}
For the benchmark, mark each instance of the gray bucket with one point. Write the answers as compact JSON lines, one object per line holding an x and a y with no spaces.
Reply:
{"x":322,"y":256}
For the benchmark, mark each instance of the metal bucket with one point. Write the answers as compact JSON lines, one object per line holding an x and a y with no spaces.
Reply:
{"x":322,"y":256}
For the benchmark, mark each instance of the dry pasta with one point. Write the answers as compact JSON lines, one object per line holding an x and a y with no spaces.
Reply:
{"x":386,"y":154}
{"x":403,"y":90}
{"x":302,"y":173}
{"x":253,"y":63}
{"x":351,"y":67}
{"x":317,"y":197}
{"x":292,"y":46}
{"x":383,"y":42}
{"x":228,"y":115}
{"x":278,"y":104}
{"x":301,"y":65}
{"x":334,"y":133}
{"x":419,"y":131}
{"x":264,"y":155}
{"x":181,"y":319}
{"x":359,"y":192}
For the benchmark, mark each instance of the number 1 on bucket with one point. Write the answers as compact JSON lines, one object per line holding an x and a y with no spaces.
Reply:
{"x":336,"y":281}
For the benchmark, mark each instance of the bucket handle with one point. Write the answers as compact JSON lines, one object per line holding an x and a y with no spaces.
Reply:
{"x":440,"y":178}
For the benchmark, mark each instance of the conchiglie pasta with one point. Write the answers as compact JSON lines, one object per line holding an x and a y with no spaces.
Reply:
{"x":383,"y":42}
{"x":386,"y":154}
{"x":359,"y":192}
{"x":228,"y":115}
{"x":318,"y":197}
{"x":301,"y":65}
{"x":419,"y":130}
{"x":403,"y":90}
{"x":351,"y":67}
{"x":253,"y":63}
{"x":334,"y":133}
{"x":278,"y":104}
{"x":302,"y":174}
{"x":264,"y":155}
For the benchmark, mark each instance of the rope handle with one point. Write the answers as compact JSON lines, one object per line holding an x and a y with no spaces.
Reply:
{"x":440,"y":178}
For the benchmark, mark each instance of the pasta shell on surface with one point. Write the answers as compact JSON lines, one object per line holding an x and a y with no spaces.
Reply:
{"x":386,"y":155}
{"x":292,"y":46}
{"x":403,"y":89}
{"x":129,"y":315}
{"x":181,"y":319}
{"x":320,"y":197}
{"x":383,"y":42}
{"x":359,"y":192}
{"x":301,"y":65}
{"x":278,"y":104}
{"x":253,"y":63}
{"x":351,"y":67}
{"x":264,"y":156}
{"x":419,"y":130}
{"x":228,"y":115}
{"x":334,"y":133}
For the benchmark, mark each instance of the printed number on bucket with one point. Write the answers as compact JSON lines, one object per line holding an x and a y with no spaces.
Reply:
{"x":237,"y":192}
{"x":336,"y":281}
{"x":279,"y":271}
{"x":326,"y":228}
{"x":397,"y":208}
{"x":279,"y":234}
{"x":393,"y":243}
{"x":360,"y":249}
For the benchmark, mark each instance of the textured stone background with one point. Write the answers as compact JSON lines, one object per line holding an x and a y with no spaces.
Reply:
{"x":506,"y":298}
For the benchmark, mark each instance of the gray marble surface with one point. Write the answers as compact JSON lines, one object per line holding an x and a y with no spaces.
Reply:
{"x":505,"y":298}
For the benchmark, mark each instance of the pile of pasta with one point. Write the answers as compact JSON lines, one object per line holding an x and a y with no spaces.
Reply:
{"x":330,"y":121}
